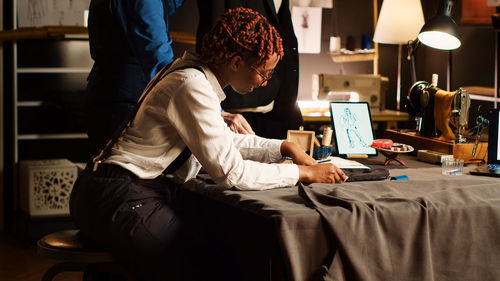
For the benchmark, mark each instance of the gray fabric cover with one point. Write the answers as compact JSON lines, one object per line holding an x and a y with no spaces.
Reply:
{"x":446,"y":229}
{"x":431,"y":227}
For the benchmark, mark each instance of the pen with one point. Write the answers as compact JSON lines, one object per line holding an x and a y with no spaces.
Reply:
{"x":324,"y":161}
{"x":454,"y":171}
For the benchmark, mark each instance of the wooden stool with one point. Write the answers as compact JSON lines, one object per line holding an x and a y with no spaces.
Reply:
{"x":77,"y":256}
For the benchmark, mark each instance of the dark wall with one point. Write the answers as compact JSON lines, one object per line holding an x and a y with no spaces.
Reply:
{"x":472,"y":63}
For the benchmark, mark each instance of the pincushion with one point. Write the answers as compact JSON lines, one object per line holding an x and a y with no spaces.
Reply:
{"x":382,"y":143}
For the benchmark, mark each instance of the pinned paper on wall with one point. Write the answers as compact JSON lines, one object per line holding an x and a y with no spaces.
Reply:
{"x":33,"y":13}
{"x":313,"y":3}
{"x":307,"y":27}
{"x":493,"y":3}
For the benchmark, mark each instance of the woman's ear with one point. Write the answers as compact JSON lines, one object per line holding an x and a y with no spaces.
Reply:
{"x":236,"y":62}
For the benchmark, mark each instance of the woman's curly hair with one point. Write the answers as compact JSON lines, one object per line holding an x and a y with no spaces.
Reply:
{"x":243,"y":32}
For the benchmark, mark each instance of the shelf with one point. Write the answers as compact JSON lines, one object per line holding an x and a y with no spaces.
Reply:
{"x":54,"y":69}
{"x":385,"y":115}
{"x":484,"y":98}
{"x":41,"y":32}
{"x":73,"y":32}
{"x":30,"y":103}
{"x":481,"y":93}
{"x":52,"y":136}
{"x":338,"y":57}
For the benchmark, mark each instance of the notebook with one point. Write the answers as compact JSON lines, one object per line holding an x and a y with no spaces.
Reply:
{"x":492,"y":168}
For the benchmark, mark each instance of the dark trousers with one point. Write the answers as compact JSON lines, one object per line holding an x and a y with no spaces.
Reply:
{"x":143,"y":223}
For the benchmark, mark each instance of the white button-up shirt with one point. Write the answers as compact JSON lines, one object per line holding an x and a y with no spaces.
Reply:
{"x":184,"y":109}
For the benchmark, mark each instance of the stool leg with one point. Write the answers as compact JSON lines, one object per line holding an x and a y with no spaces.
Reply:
{"x":62,"y":267}
{"x":116,"y":268}
{"x":92,"y":270}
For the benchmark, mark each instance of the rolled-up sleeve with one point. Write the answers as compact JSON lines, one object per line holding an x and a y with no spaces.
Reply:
{"x":253,"y":147}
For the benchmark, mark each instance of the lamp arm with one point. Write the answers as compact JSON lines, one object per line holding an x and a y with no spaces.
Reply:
{"x":412,"y":47}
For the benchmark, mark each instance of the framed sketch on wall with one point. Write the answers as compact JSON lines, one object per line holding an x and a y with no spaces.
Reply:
{"x":313,"y":3}
{"x":478,"y":11}
{"x":35,"y":13}
{"x":307,"y":26}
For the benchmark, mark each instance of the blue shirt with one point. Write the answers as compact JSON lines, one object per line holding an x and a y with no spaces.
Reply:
{"x":129,"y":43}
{"x":146,"y":25}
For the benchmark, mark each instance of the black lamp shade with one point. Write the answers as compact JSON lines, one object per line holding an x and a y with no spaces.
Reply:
{"x":441,"y":32}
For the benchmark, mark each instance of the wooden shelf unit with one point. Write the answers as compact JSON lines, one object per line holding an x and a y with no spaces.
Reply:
{"x":60,"y":32}
{"x":339,"y":57}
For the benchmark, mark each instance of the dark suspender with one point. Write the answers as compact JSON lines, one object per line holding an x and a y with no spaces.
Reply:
{"x":106,"y":151}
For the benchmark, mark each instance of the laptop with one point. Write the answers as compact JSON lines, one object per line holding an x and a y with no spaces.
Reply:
{"x":492,"y":168}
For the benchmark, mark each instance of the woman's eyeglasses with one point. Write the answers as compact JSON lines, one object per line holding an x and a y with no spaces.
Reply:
{"x":265,"y":78}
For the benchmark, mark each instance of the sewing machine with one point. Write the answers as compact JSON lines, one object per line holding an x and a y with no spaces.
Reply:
{"x":351,"y":87}
{"x":435,"y":109}
{"x":442,"y":120}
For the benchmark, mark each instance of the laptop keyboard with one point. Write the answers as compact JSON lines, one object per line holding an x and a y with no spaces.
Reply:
{"x":494,"y":167}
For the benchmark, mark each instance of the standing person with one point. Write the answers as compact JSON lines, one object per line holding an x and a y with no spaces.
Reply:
{"x":125,"y":203}
{"x":270,"y":110}
{"x":129,"y":43}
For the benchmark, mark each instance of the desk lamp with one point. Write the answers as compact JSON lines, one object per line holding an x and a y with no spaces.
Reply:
{"x":440,"y":32}
{"x":399,"y":22}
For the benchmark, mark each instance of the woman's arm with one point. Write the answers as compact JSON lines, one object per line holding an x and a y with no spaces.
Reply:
{"x":309,"y":170}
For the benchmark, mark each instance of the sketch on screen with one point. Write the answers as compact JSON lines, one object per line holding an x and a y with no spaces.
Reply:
{"x":498,"y":136}
{"x":350,"y":123}
{"x":353,"y":128}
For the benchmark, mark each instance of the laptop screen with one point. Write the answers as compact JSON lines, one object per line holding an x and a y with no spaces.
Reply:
{"x":493,"y":139}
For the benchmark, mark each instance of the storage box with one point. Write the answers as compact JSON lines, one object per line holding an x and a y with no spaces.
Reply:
{"x":305,"y":139}
{"x":434,"y":157}
{"x":45,"y":186}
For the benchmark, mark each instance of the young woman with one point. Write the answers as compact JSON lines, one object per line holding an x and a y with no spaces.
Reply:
{"x":127,"y":199}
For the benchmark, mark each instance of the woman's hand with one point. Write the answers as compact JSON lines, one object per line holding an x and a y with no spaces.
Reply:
{"x":237,"y":123}
{"x":309,"y":170}
{"x":324,"y":173}
{"x":297,"y":154}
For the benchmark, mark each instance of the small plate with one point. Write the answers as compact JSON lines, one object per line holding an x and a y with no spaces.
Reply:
{"x":397,"y":148}
{"x":391,"y":153}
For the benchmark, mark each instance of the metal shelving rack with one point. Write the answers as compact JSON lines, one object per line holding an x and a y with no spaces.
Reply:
{"x":17,"y":105}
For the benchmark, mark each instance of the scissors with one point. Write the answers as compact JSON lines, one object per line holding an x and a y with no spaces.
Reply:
{"x":481,"y":123}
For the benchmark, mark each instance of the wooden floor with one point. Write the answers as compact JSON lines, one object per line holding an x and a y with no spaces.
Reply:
{"x":20,"y":262}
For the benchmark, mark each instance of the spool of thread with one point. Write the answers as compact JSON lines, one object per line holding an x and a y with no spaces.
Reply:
{"x":435,"y":78}
{"x":365,"y":42}
{"x":350,"y":43}
{"x":327,"y":137}
{"x":334,"y":44}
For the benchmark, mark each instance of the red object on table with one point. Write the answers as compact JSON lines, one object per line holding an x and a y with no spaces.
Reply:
{"x":382,"y":143}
